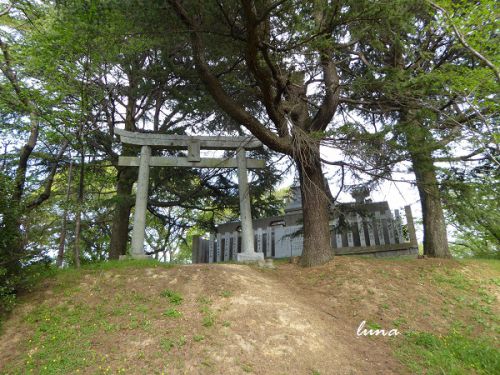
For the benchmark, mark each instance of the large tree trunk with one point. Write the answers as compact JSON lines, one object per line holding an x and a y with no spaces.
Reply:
{"x":420,"y":148}
{"x":121,"y":216}
{"x":316,"y":213}
{"x":435,"y":237}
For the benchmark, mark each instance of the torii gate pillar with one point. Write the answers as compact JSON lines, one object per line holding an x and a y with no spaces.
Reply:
{"x":248,"y":253}
{"x":141,"y":202}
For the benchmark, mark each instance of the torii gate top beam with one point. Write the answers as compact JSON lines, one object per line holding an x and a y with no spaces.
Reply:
{"x":174,"y":141}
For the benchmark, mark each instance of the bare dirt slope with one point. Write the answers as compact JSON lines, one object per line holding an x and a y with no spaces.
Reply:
{"x":232,"y":319}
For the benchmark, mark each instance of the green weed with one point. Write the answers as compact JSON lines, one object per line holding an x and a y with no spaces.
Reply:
{"x":174,"y":297}
{"x":172,"y":313}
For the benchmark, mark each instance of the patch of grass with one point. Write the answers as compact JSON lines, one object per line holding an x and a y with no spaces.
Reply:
{"x":129,"y":263}
{"x":226,"y":293}
{"x":246,"y":368}
{"x":373,"y":325}
{"x":399,"y":322}
{"x":174,"y":297}
{"x":172,"y":313}
{"x":167,"y":344}
{"x":61,"y":339}
{"x":453,"y":278}
{"x":493,"y":264}
{"x":208,"y":321}
{"x":226,"y":324}
{"x":181,"y":341}
{"x":198,"y":338}
{"x":142,"y":308}
{"x":453,"y":353}
{"x":208,"y":317}
{"x":204,"y":300}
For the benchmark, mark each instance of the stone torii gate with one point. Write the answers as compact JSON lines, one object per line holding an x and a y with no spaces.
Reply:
{"x":193,"y":144}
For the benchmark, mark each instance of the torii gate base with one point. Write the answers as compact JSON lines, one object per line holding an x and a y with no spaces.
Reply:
{"x":193,"y":160}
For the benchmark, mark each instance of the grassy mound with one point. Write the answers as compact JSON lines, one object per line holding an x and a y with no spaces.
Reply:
{"x":146,"y":317}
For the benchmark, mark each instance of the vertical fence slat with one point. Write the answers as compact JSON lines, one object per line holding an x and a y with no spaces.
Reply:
{"x":269,"y":237}
{"x":226,"y":246}
{"x":296,"y":242}
{"x":350,"y":236}
{"x":279,"y":233}
{"x":399,"y":231}
{"x":218,"y":248}
{"x":411,"y":226}
{"x":390,"y":227}
{"x":361,"y":230}
{"x":259,"y":240}
{"x":211,"y":248}
{"x":235,"y":244}
{"x":371,"y":232}
{"x":380,"y":228}
{"x":338,"y":239}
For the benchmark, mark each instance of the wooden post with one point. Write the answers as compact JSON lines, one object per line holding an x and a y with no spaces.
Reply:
{"x":247,"y":242}
{"x":411,"y":226}
{"x":141,"y":202}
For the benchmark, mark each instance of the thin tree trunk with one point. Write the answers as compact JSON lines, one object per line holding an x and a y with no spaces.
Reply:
{"x":78,"y":221}
{"x":62,"y":239}
{"x":316,"y":214}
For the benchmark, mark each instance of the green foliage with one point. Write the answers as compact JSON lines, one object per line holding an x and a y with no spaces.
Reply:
{"x":10,"y":270}
{"x":471,"y":198}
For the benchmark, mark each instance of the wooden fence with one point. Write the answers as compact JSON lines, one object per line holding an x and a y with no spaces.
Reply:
{"x":380,"y":234}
